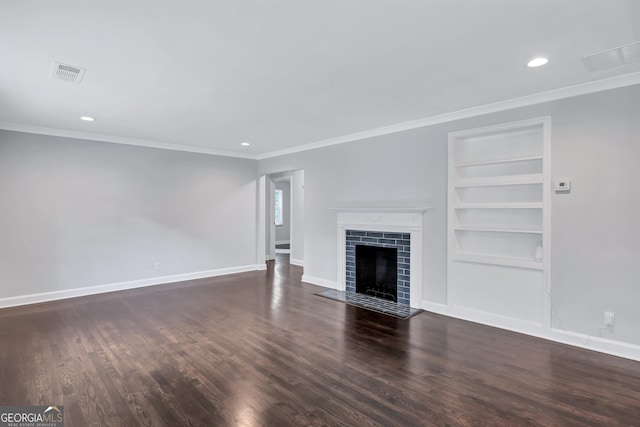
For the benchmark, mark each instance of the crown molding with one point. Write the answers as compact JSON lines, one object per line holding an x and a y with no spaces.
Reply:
{"x":17,"y":127}
{"x":538,"y":98}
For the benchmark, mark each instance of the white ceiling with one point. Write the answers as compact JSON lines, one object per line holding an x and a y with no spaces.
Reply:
{"x":283,"y":73}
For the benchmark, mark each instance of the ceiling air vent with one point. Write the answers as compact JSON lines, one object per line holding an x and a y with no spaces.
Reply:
{"x":68,"y":73}
{"x":612,"y":58}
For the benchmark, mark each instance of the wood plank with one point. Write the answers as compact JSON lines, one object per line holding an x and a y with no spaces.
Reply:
{"x":259,"y":348}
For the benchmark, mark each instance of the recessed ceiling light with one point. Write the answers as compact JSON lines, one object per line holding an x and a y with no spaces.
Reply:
{"x":245,"y":144}
{"x":537,"y":62}
{"x":87,"y":119}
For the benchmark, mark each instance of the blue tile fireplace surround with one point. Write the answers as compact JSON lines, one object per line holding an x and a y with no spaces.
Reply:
{"x":399,"y":241}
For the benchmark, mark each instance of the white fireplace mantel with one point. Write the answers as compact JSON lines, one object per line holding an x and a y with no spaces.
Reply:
{"x":393,"y":220}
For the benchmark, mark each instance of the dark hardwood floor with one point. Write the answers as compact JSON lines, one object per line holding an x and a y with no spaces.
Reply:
{"x":260,"y":349}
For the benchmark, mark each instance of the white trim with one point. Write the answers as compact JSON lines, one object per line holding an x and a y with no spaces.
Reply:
{"x":402,"y":220}
{"x":298,"y":262}
{"x":485,"y":318}
{"x":498,"y":129}
{"x":546,"y":222}
{"x":17,"y":127}
{"x":261,"y":220}
{"x":283,"y":242}
{"x":436,"y":307}
{"x":271,"y":224}
{"x":589,"y":342}
{"x":320,"y":282}
{"x":452,"y":223}
{"x":453,"y":254}
{"x":537,"y":98}
{"x":100,"y":289}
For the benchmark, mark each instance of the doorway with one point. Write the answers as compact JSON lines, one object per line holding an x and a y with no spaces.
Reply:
{"x":282,"y":202}
{"x":282,"y":214}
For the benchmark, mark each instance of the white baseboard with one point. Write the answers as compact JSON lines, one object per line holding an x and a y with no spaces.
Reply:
{"x":486,"y":318}
{"x":590,"y":342}
{"x":602,"y":345}
{"x":297,"y":262}
{"x":100,"y":289}
{"x":320,"y":282}
{"x":283,"y":242}
{"x":435,"y":307}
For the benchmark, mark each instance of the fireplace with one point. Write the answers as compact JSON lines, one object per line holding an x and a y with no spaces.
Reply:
{"x":390,"y":228}
{"x":377,"y":271}
{"x":378,"y":264}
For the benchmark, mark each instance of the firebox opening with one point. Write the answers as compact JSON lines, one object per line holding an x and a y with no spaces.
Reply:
{"x":377,"y":271}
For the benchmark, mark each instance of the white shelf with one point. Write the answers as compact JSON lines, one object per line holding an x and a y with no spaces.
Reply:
{"x":496,"y":161}
{"x":496,"y":181}
{"x":381,"y":209}
{"x":534,"y":205}
{"x":498,"y":230}
{"x":496,"y":260}
{"x":498,"y":219}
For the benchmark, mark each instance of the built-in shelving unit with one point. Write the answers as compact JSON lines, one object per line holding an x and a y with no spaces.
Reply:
{"x":498,"y":208}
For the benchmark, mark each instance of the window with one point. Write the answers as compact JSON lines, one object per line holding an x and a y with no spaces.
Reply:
{"x":277,"y":207}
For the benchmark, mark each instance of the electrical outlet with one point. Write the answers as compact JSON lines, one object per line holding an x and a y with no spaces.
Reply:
{"x":156,"y":266}
{"x":609,"y":318}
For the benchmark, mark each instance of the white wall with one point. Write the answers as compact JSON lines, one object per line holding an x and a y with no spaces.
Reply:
{"x":595,"y":233}
{"x":596,"y":228}
{"x":78,"y":213}
{"x":283,"y":232}
{"x":374,"y":172}
{"x":297,"y":217}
